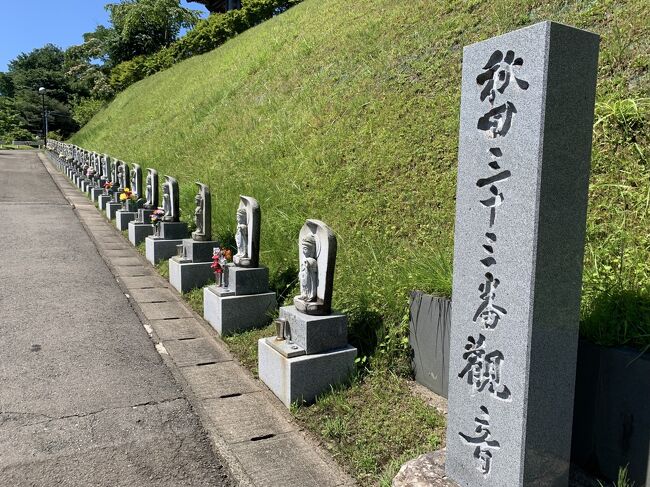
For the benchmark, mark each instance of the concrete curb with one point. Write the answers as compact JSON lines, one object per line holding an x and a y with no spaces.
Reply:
{"x":249,"y":427}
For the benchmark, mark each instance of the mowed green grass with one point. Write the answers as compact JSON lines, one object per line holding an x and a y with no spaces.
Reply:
{"x":348,"y":112}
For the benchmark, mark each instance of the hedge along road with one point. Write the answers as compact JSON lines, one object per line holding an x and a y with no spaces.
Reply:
{"x":85,"y":399}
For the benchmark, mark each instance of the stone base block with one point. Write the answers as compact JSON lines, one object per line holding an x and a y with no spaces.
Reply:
{"x":144,"y":215}
{"x":316,"y":333}
{"x":95,"y":193}
{"x":112,"y":208}
{"x":158,"y":249}
{"x":173,"y":231}
{"x":246,"y":280}
{"x":185,"y":276}
{"x":235,"y":313}
{"x":139,"y":231}
{"x":122,"y":219}
{"x":197,"y":250}
{"x":304,"y":377}
{"x":103,"y":199}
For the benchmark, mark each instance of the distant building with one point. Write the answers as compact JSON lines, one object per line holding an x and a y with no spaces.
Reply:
{"x":219,"y":6}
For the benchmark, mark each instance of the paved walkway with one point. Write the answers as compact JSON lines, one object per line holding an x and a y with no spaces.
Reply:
{"x":85,"y":399}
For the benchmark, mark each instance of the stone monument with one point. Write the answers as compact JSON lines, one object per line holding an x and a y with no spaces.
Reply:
{"x":131,"y":179}
{"x":191,"y":267}
{"x":170,"y":232}
{"x":243,"y":300}
{"x":141,"y":227}
{"x":98,"y":188}
{"x":310,"y":351}
{"x":523,"y":171}
{"x":111,"y":176}
{"x":121,"y":174}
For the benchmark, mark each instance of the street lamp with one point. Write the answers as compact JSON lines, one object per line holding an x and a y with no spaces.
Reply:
{"x":42,"y":91}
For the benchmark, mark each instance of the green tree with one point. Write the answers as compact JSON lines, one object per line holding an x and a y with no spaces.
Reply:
{"x":10,"y":123}
{"x":143,"y":27}
{"x":43,"y":67}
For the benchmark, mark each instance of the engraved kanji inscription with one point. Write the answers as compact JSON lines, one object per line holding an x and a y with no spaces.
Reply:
{"x":497,"y":121}
{"x":499,"y":71}
{"x":483,"y":369}
{"x":488,"y":314}
{"x":482,"y":442}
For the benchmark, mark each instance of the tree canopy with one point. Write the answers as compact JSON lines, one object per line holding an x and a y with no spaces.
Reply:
{"x":21,"y":101}
{"x":141,"y":27}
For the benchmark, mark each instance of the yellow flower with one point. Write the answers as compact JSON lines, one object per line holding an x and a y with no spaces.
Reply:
{"x":127,"y":190}
{"x":122,"y":197}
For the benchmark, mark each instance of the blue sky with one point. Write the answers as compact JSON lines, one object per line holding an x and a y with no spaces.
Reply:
{"x":28,"y":24}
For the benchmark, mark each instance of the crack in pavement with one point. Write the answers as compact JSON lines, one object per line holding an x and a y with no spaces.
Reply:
{"x":90,"y":413}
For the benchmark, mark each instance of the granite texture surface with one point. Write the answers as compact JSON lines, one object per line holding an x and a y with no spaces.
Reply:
{"x":157,"y":249}
{"x":316,"y":333}
{"x":228,"y":314}
{"x":524,"y":155}
{"x":185,"y":276}
{"x":305,"y":377}
{"x":139,"y":231}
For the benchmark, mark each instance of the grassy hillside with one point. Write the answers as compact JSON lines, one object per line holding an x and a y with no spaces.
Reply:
{"x":348,"y":112}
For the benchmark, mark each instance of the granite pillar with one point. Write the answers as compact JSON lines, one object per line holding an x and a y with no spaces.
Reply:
{"x":524,"y":156}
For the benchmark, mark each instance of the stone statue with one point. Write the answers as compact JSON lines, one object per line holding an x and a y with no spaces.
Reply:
{"x":317,"y":253}
{"x":105,"y":170}
{"x":308,"y":269}
{"x":241,"y":235}
{"x":171,"y":205}
{"x":97,"y":164}
{"x":203,"y":214}
{"x":151,"y":189}
{"x":124,"y":175}
{"x":136,"y":181}
{"x":247,"y":235}
{"x":114,"y":177}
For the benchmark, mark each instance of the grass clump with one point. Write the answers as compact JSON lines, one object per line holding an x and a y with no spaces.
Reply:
{"x":244,"y":345}
{"x":373,"y":422}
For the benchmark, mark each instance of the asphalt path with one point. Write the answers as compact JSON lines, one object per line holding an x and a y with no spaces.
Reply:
{"x":85,"y":399}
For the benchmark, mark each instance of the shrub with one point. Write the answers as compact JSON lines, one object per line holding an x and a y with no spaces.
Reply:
{"x":85,"y":109}
{"x":206,"y":36}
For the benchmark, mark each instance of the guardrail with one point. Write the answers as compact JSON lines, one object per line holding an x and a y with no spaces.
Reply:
{"x":30,"y":143}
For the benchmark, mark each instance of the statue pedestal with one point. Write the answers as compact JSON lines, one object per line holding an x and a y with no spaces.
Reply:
{"x":314,"y":356}
{"x":316,"y":333}
{"x":304,"y":377}
{"x":144,"y":215}
{"x":138,"y":231}
{"x":198,"y":250}
{"x":112,"y":208}
{"x":103,"y":199}
{"x":157,"y":249}
{"x":193,"y":269}
{"x":122,"y":219}
{"x":244,"y":301}
{"x":186,"y":275}
{"x":228,"y":313}
{"x":95,"y":193}
{"x":173,"y":230}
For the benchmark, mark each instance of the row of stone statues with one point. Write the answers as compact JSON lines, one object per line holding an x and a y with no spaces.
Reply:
{"x":309,"y":353}
{"x":317,"y":242}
